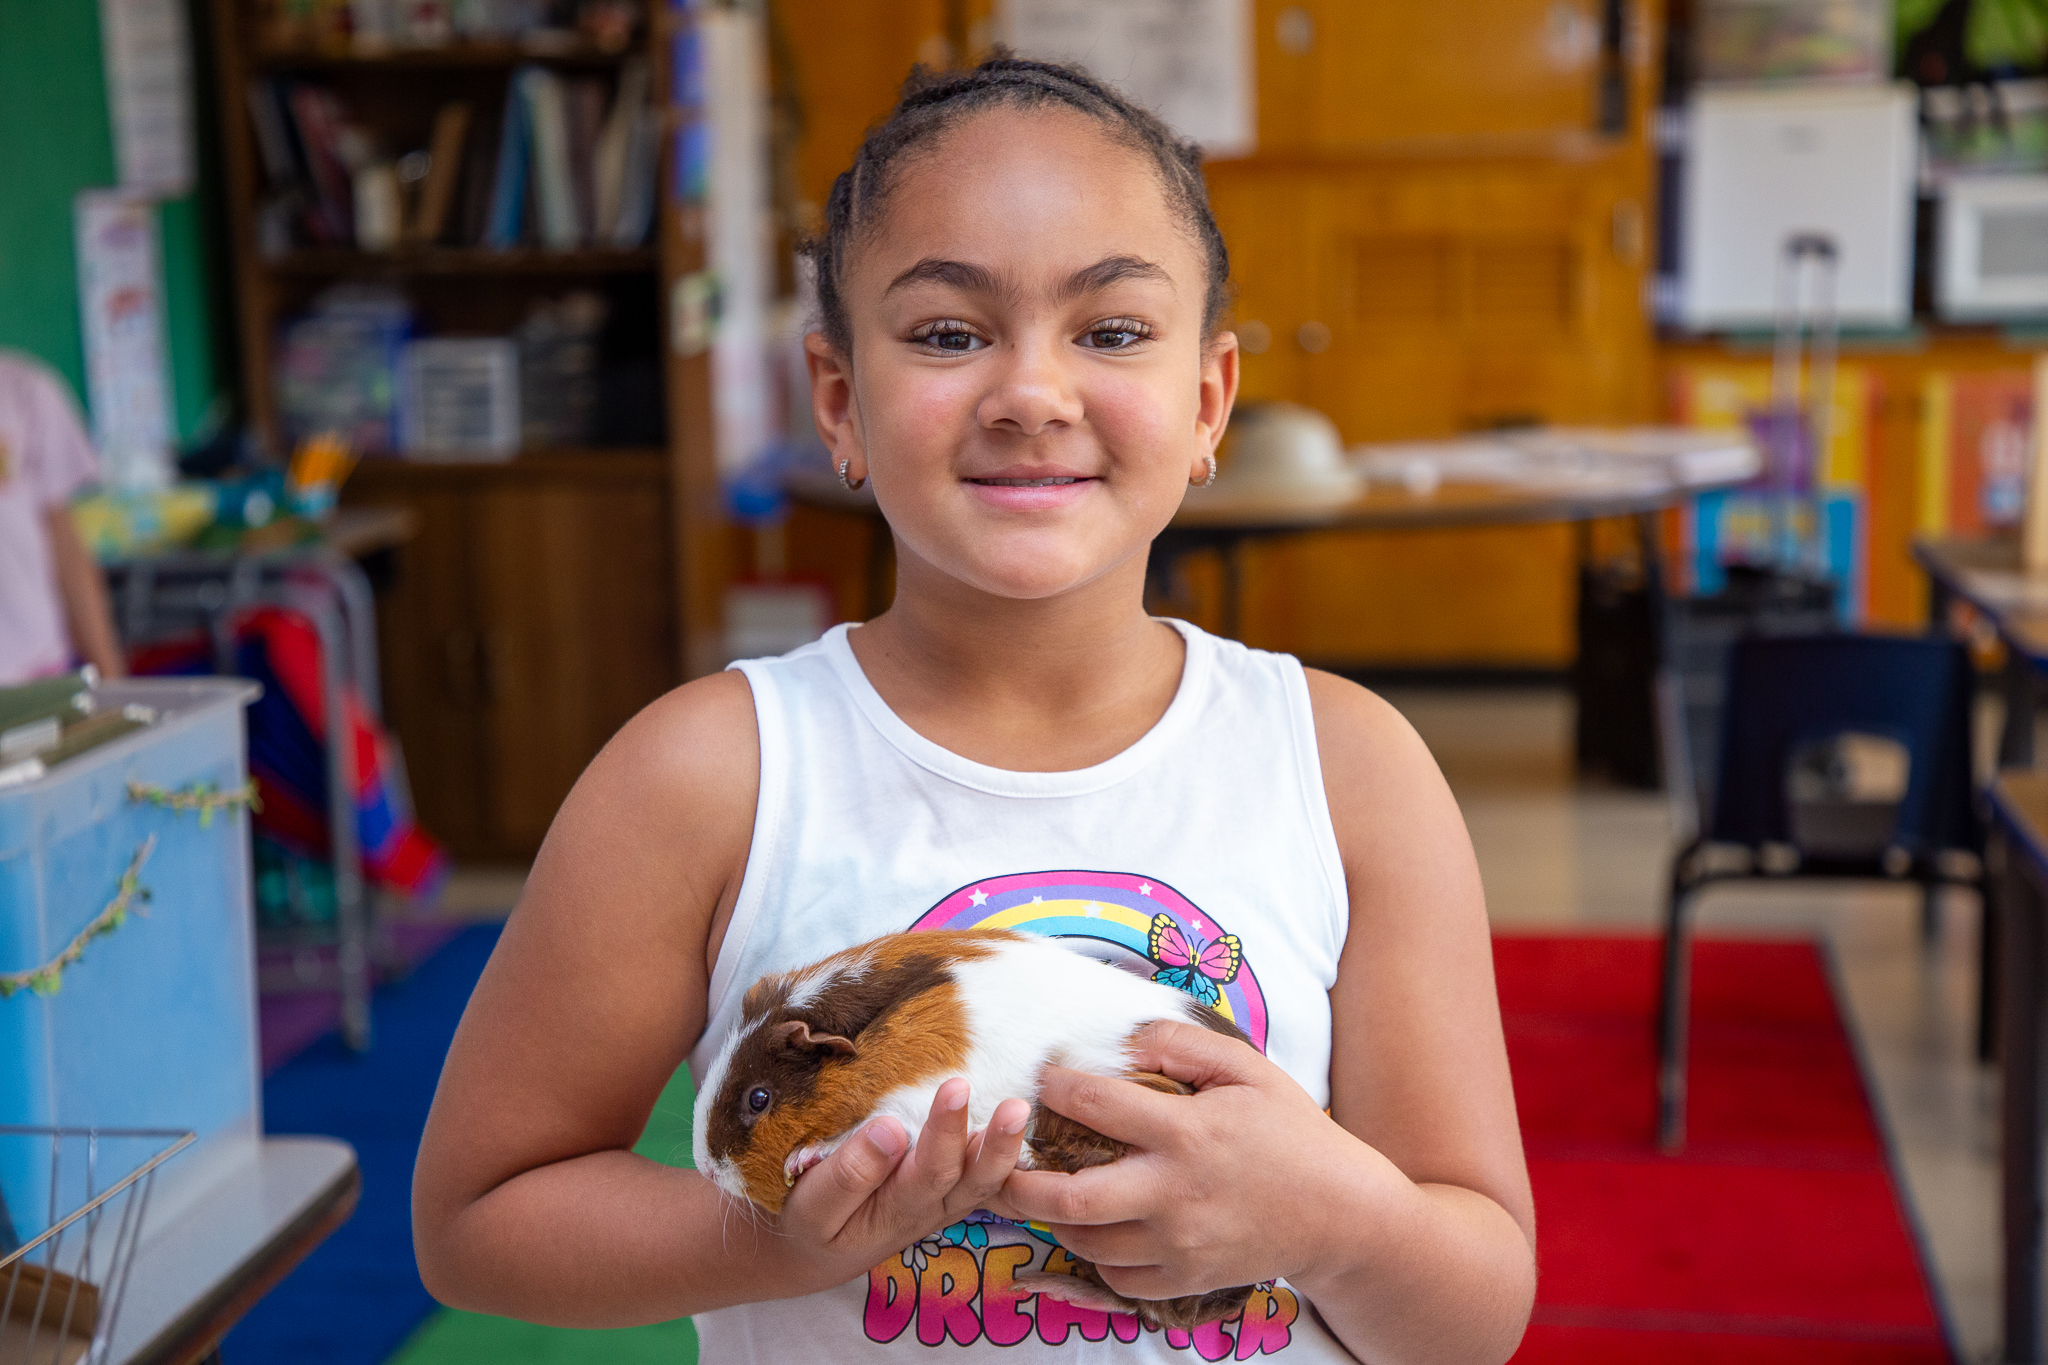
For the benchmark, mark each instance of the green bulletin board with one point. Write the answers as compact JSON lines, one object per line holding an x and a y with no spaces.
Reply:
{"x":55,"y":140}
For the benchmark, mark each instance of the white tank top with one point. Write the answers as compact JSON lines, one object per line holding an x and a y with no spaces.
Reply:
{"x":1212,"y":827}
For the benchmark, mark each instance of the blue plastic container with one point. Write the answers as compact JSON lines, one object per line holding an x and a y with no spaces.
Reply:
{"x":155,"y":1026}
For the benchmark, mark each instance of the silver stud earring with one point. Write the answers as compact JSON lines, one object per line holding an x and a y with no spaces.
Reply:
{"x":1208,"y":478}
{"x":855,"y":485}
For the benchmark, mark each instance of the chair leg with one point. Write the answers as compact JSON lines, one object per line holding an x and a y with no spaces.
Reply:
{"x":1987,"y":972}
{"x":1673,"y":1007}
{"x":1930,"y":912}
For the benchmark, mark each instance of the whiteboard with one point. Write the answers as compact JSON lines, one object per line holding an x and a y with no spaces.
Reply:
{"x":1188,"y":61}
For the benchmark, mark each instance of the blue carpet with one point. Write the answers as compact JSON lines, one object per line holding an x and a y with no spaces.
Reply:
{"x":358,"y":1296}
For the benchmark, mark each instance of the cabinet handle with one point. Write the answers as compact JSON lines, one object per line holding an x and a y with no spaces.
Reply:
{"x":1313,"y":337}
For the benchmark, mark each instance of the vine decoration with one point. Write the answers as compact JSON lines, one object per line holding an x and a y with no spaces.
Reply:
{"x":203,"y":797}
{"x":46,"y":979}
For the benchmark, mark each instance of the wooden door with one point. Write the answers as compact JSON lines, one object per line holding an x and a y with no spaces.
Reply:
{"x":428,"y":643}
{"x":575,"y":617}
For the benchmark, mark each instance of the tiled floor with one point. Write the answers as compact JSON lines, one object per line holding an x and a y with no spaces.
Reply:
{"x":1555,"y":855}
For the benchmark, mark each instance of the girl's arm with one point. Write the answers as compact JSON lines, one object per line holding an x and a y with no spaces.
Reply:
{"x":84,"y":590}
{"x":1441,"y":1261}
{"x":527,"y":1200}
{"x":1404,"y":1216}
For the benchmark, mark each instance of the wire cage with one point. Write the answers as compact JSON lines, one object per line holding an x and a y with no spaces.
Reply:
{"x":72,"y":1205}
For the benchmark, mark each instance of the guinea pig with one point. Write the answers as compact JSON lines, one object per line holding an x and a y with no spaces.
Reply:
{"x":875,"y":1030}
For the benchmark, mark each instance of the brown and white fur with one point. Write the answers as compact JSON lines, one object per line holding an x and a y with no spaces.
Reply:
{"x":873,"y":1032}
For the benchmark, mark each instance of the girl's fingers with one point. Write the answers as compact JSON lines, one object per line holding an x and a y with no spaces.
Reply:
{"x":832,"y":1193}
{"x":1114,"y":1107}
{"x":1201,"y":1057}
{"x":992,"y":1155}
{"x":1118,"y":1244}
{"x":1120,"y":1192}
{"x":941,"y":1153}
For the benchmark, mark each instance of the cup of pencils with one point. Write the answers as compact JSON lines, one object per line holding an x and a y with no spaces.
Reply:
{"x":318,"y":469}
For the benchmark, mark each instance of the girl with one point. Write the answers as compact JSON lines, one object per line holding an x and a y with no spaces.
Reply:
{"x":1021,"y":287}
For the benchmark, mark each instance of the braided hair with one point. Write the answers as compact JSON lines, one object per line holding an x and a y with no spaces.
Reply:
{"x":934,"y":103}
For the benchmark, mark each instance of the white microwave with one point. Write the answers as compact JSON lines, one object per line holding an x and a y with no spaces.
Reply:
{"x":1994,"y":247}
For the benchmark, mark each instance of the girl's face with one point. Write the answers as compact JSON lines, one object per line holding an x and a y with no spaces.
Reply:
{"x":1030,"y":391}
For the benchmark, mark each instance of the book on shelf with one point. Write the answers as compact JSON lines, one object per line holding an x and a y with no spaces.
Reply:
{"x":565,"y":164}
{"x":429,"y":220}
{"x":585,"y":107}
{"x":508,"y":186}
{"x":554,"y":186}
{"x":317,"y":118}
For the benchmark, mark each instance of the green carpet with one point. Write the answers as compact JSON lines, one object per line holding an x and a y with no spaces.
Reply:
{"x":452,"y":1337}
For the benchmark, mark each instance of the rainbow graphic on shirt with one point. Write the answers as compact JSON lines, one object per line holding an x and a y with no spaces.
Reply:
{"x":1138,"y":923}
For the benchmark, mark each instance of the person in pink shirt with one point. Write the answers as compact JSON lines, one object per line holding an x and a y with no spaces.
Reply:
{"x":53,"y":601}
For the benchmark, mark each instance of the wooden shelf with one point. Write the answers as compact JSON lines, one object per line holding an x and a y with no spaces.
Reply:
{"x":464,"y":261}
{"x":484,"y":55}
{"x":595,"y":465}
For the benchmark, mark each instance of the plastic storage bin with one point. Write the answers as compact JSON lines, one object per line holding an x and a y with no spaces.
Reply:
{"x":155,"y":1025}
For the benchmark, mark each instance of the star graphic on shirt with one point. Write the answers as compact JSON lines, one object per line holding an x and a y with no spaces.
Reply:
{"x":980,"y":897}
{"x":1038,"y":900}
{"x":1199,"y":927}
{"x":1144,"y":888}
{"x":1094,"y":910}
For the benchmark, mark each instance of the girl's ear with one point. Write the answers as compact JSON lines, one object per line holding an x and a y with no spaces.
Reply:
{"x":1218,"y":396}
{"x":832,"y":402}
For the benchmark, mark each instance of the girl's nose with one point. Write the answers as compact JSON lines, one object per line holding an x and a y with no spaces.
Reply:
{"x":1033,"y":391}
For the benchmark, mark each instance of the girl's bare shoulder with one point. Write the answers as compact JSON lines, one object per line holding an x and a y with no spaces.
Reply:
{"x":1359,"y":733}
{"x":1388,"y":800}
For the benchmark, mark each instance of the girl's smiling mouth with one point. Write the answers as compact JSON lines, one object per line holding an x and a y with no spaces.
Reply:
{"x":1029,"y":490}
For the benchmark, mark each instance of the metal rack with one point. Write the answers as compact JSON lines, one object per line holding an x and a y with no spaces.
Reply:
{"x":162,"y":595}
{"x":61,"y":1289}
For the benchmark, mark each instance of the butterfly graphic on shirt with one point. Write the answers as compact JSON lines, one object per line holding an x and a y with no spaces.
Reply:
{"x":1190,"y":963}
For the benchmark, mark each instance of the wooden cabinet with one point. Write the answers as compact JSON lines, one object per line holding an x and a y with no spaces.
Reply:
{"x":1341,"y":76}
{"x":529,"y":620}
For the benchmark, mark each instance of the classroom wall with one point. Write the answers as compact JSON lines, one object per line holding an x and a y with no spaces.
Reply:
{"x":55,"y":140}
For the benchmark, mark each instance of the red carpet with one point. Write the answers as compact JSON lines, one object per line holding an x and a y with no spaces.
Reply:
{"x":1777,"y":1236}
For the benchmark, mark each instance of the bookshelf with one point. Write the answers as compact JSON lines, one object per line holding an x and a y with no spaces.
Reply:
{"x":546,"y":597}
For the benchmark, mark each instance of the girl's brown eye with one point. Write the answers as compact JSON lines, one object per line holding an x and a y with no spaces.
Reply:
{"x":757,"y":1098}
{"x":952,"y":341}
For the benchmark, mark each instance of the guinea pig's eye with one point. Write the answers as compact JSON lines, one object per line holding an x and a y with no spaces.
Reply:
{"x":757,"y":1099}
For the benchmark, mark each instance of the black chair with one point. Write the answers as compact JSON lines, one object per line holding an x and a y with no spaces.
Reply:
{"x":1788,"y":700}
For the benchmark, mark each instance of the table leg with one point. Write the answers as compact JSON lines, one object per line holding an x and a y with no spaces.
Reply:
{"x":2016,"y":742}
{"x":1940,"y":605}
{"x":2021,"y":1001}
{"x":1232,"y":613}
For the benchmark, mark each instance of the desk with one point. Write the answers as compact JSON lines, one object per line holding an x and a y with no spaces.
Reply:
{"x":194,"y":1279}
{"x":2019,"y":853}
{"x":1987,"y":575}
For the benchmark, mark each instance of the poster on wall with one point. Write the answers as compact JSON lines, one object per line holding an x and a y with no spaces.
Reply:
{"x":1975,"y":434}
{"x":147,"y":54}
{"x":739,"y":231}
{"x":1188,"y":61}
{"x":120,"y":299}
{"x":1739,"y":525}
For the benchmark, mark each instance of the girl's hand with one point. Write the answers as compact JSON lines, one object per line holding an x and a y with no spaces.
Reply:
{"x":867,"y":1201}
{"x":1244,"y":1181}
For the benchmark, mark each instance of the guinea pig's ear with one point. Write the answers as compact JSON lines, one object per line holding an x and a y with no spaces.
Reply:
{"x":795,"y":1036}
